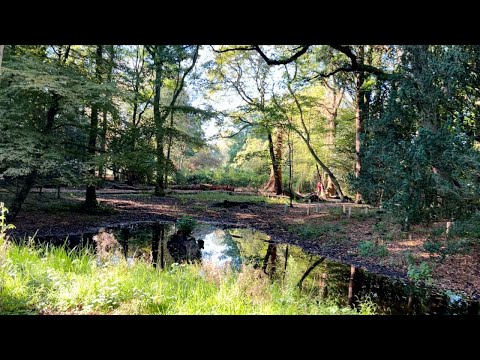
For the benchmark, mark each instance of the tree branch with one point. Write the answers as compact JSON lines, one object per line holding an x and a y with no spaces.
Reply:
{"x":232,"y":49}
{"x":269,"y":61}
{"x":179,"y":87}
{"x":355,"y":66}
{"x":331,"y":73}
{"x":309,"y":270}
{"x":238,"y":132}
{"x":297,"y":103}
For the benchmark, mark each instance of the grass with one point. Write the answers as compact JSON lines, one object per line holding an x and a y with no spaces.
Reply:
{"x":214,"y":196}
{"x":55,"y":280}
{"x":50,"y":204}
{"x":313,"y":231}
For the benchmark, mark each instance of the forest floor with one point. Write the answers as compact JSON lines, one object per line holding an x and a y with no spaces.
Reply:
{"x":327,"y":230}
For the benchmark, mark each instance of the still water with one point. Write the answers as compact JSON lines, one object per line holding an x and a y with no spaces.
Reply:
{"x":162,"y":245}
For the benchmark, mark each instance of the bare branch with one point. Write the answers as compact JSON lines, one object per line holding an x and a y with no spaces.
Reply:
{"x":297,"y":103}
{"x":347,"y":51}
{"x":331,"y":73}
{"x":244,"y":48}
{"x":238,"y":132}
{"x":179,"y":86}
{"x":295,"y":56}
{"x":355,"y":65}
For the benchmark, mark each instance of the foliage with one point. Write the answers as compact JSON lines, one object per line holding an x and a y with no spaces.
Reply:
{"x":30,"y":87}
{"x":371,"y":248}
{"x":3,"y":225}
{"x":467,"y":228}
{"x":186,"y":224}
{"x":225,"y":176}
{"x":451,"y":246}
{"x":420,"y":161}
{"x":421,"y":272}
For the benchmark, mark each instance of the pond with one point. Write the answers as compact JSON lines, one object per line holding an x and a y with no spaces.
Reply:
{"x":161,"y":244}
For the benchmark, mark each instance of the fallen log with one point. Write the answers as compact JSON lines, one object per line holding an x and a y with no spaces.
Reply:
{"x":124,"y":187}
{"x":230,"y":204}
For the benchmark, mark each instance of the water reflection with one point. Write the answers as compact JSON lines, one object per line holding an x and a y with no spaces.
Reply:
{"x":184,"y":247}
{"x":315,"y":275}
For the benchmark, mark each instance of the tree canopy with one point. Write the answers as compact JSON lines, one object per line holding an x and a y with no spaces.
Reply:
{"x":395,"y":126}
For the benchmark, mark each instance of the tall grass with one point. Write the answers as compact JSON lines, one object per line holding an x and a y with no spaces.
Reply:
{"x":55,"y":280}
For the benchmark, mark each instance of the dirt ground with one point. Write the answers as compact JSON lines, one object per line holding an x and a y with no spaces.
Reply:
{"x":338,"y":238}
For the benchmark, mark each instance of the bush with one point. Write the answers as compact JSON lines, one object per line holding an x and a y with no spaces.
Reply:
{"x":422,"y":272}
{"x":235,"y":178}
{"x":186,"y":224}
{"x":369,"y":248}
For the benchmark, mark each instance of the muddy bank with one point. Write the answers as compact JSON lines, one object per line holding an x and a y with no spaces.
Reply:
{"x":460,"y":274}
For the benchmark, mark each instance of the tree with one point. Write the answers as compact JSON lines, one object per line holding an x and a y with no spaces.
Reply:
{"x":162,"y":56}
{"x":1,"y":54}
{"x":303,"y":131}
{"x":420,"y":155}
{"x":248,"y":77}
{"x":108,"y":108}
{"x":42,"y":94}
{"x":91,"y":196}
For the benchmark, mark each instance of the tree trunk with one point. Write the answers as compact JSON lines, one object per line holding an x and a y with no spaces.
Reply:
{"x":162,"y":246}
{"x":125,"y":237}
{"x":167,"y":162}
{"x":273,"y":261}
{"x":290,"y":169}
{"x":103,"y":144}
{"x":159,"y":133}
{"x":286,"y":263}
{"x":1,"y":55}
{"x":21,"y":195}
{"x":103,"y":141}
{"x":91,"y":195}
{"x":332,"y":130}
{"x":155,"y":242}
{"x":131,"y":174}
{"x":159,"y":119}
{"x":330,"y":189}
{"x":322,"y":165}
{"x":116,"y":175}
{"x":351,"y":285}
{"x":275,"y":172}
{"x":359,"y":114}
{"x":322,"y":192}
{"x":278,"y":154}
{"x":272,"y":256}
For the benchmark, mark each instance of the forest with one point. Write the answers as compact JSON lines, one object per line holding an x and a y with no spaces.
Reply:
{"x":256,"y":179}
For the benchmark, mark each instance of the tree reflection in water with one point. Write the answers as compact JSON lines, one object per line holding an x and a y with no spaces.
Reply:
{"x":184,"y":248}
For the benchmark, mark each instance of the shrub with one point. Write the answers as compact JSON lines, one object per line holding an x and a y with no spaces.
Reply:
{"x":369,"y":248}
{"x":422,"y":272}
{"x":186,"y":224}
